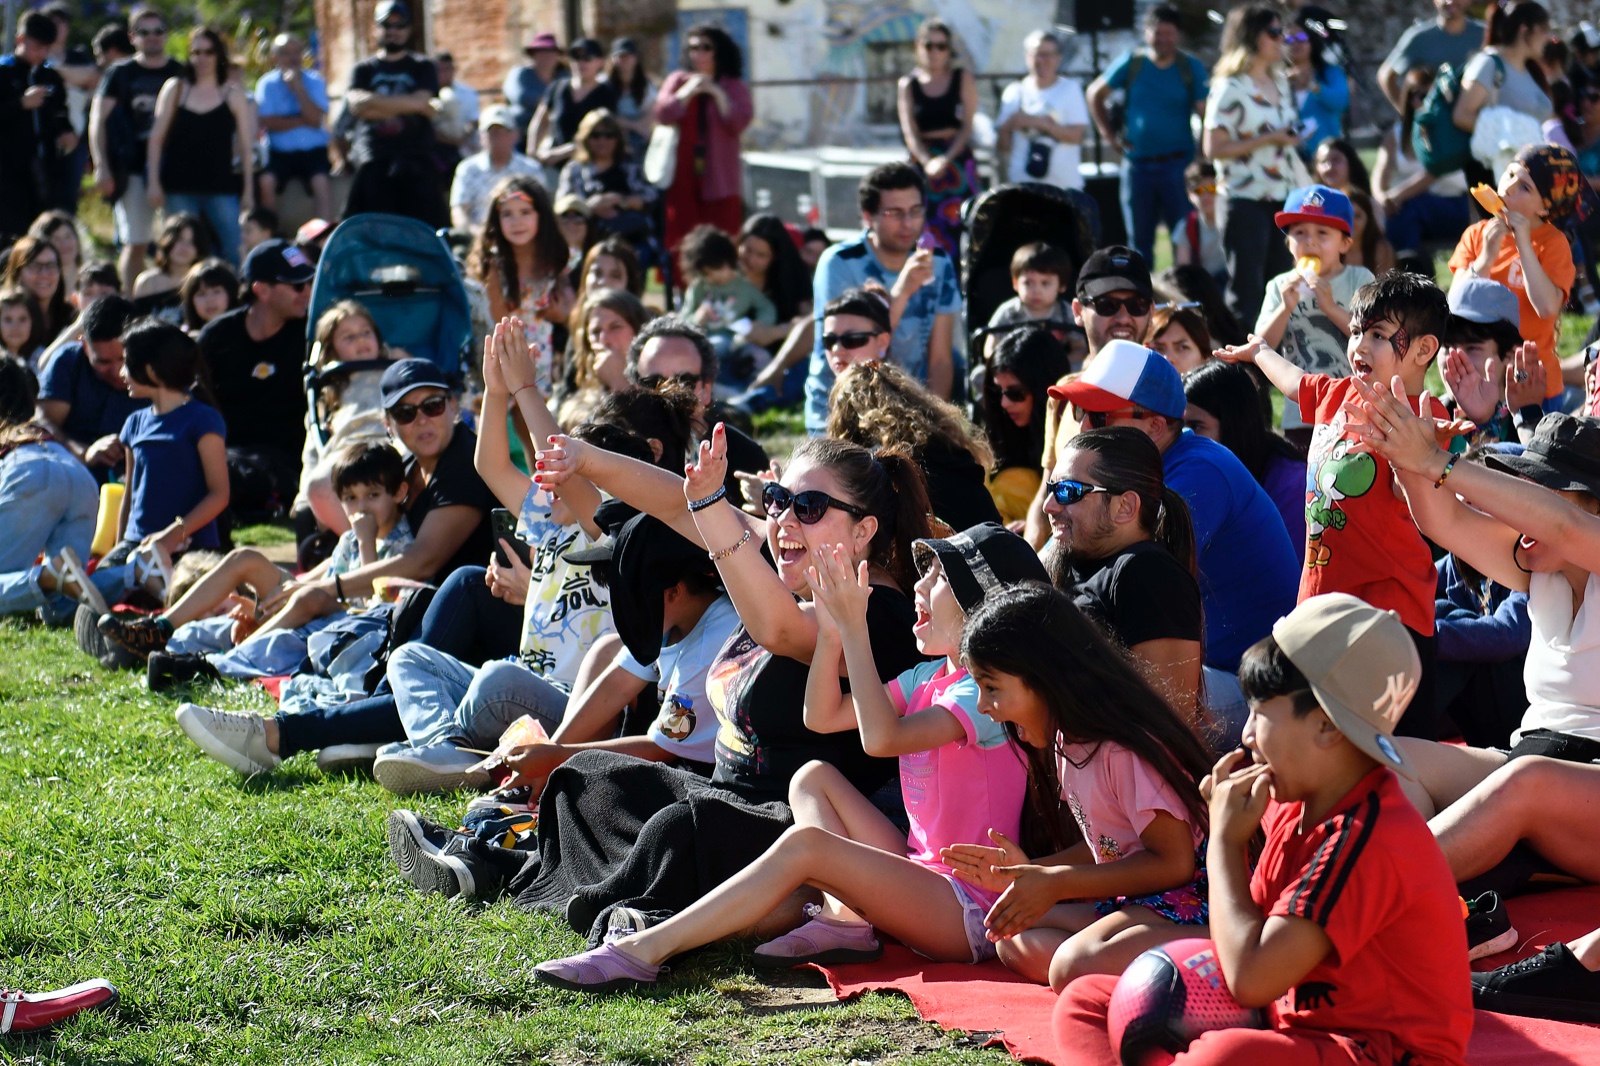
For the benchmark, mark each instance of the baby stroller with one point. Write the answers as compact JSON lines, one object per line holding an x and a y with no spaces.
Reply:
{"x":402,"y":272}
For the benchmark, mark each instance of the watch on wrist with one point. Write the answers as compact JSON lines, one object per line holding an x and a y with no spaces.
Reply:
{"x":1527,"y":416}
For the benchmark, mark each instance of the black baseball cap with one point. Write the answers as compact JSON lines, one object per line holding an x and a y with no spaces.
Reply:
{"x":408,"y":374}
{"x":1113,"y":269}
{"x":585,"y":48}
{"x":980,"y":560}
{"x":624,"y":46}
{"x":278,"y":262}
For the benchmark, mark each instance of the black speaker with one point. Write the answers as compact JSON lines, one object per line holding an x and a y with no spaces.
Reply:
{"x":1086,"y":15}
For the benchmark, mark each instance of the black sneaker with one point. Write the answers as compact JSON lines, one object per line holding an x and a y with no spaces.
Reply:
{"x":139,"y":635}
{"x":1552,"y":984}
{"x":436,"y":859}
{"x":166,"y":670}
{"x":1489,"y":929}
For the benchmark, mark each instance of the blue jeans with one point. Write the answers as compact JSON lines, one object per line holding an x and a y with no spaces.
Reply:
{"x":1427,"y":217}
{"x":441,"y":698}
{"x":1152,"y":193}
{"x":48,"y":501}
{"x":220,"y":211}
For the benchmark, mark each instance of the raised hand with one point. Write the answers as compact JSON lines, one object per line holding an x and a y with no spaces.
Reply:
{"x":1241,"y":353}
{"x":703,"y":477}
{"x":752,"y":485}
{"x":493,"y":380}
{"x":975,"y":863}
{"x":1385,"y":425}
{"x":838,"y":587}
{"x":1525,"y":378}
{"x":553,"y":466}
{"x":516,"y":360}
{"x":1471,"y":385}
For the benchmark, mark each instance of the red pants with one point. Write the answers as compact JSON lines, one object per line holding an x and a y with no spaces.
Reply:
{"x":1080,"y":1028}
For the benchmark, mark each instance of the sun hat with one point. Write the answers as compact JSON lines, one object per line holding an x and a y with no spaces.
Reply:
{"x":979,"y":560}
{"x":1563,"y":455}
{"x":1362,"y":667}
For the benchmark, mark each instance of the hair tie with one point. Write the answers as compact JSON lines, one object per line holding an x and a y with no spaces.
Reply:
{"x":514,"y":194}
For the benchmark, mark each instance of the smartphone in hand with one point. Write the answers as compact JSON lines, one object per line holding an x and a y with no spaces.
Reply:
{"x":503,"y":525}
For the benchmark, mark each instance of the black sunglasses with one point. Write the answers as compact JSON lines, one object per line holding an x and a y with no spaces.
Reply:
{"x":1107,"y":306}
{"x":406,"y":413}
{"x":856,"y":338}
{"x":1068,"y":492}
{"x":936,"y":46}
{"x":1015,"y":393}
{"x":809,"y":506}
{"x":1102,"y":419}
{"x":151,"y":31}
{"x":655,"y":381}
{"x":297,"y":286}
{"x":1274,"y":31}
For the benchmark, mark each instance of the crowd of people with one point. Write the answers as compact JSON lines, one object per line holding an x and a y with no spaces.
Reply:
{"x":1053,"y":642}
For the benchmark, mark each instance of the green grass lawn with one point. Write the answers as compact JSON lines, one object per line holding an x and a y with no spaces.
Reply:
{"x":262,"y":921}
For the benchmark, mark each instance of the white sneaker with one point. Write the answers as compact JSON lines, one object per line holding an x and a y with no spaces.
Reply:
{"x":338,"y":758}
{"x":236,"y":740}
{"x":72,"y":580}
{"x":435,"y":768}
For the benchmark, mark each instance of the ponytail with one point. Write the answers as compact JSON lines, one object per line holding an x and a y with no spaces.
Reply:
{"x":1127,"y":460}
{"x":1504,"y":23}
{"x":1175,"y":530}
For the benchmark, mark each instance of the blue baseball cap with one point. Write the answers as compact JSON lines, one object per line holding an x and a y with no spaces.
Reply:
{"x":1483,"y":300}
{"x":408,"y":374}
{"x":1124,"y":374}
{"x":1319,"y":204}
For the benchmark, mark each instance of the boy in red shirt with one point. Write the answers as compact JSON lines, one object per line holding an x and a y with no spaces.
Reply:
{"x":1349,"y":933}
{"x":1360,"y":537}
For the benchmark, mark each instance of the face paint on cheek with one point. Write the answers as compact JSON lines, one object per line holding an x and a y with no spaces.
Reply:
{"x":1400,"y":342}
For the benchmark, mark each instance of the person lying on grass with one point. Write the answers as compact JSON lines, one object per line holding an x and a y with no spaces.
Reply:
{"x":370,"y":481}
{"x":957,"y":771}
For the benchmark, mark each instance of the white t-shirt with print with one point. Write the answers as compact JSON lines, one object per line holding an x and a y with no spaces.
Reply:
{"x":567,"y":610}
{"x":1063,"y":101}
{"x":686,"y":726}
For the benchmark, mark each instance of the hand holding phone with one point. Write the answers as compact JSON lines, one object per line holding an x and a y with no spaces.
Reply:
{"x":503,"y":525}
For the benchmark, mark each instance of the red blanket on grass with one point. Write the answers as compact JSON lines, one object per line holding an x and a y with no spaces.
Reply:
{"x":990,"y":999}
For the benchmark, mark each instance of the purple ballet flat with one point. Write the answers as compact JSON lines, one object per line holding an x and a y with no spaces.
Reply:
{"x":606,"y":968}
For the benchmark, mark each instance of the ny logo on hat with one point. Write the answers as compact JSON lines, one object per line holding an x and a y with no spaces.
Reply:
{"x":1397,"y":692}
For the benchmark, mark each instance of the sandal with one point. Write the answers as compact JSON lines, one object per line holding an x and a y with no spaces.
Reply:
{"x":152,"y":570}
{"x":71,"y":580}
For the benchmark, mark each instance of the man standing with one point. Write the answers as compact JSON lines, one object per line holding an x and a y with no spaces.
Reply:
{"x":292,"y":103}
{"x":78,"y":70}
{"x":478,"y":174}
{"x":33,"y":127}
{"x":924,"y":295}
{"x":1249,"y":569}
{"x":256,"y":355}
{"x":526,"y":85}
{"x":391,"y":98}
{"x":1162,"y":87}
{"x":1451,"y":37}
{"x":119,"y":127}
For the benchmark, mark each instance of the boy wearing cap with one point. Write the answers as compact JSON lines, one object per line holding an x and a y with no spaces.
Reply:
{"x":1349,"y":930}
{"x":1304,"y":315}
{"x":1360,"y":538}
{"x":1480,"y":340}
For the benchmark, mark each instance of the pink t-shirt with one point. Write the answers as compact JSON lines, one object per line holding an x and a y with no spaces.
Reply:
{"x":956,"y":793}
{"x":1114,"y":795}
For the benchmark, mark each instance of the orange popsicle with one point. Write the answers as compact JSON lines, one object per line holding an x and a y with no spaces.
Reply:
{"x":1488,"y":199}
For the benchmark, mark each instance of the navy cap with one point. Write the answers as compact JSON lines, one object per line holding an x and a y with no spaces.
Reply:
{"x":1483,"y":300}
{"x":406,"y":375}
{"x":278,"y":262}
{"x":1114,"y":269}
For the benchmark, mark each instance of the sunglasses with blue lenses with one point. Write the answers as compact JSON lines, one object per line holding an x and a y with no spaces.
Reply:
{"x":1068,"y":492}
{"x":809,"y":506}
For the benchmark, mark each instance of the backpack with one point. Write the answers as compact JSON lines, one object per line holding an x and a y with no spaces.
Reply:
{"x":1136,"y":62}
{"x":1439,"y":145}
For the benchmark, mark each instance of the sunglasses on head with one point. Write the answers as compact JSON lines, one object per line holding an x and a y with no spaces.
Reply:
{"x":809,"y":506}
{"x":1108,"y":306}
{"x":406,"y":413}
{"x":1015,"y":393}
{"x":856,"y":338}
{"x":1068,"y":492}
{"x":655,"y":381}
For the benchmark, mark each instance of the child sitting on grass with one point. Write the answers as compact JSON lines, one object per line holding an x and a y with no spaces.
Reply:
{"x":1349,"y":930}
{"x":719,"y":298}
{"x":1541,"y":189}
{"x":371,"y":485}
{"x":1040,"y":274}
{"x":1360,"y":537}
{"x":1305,"y":314}
{"x":958,"y":773}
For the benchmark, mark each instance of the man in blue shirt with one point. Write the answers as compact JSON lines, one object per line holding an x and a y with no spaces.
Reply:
{"x":81,"y":392}
{"x":293,"y":103}
{"x":1162,"y":87}
{"x":921,"y":283}
{"x":1249,"y":569}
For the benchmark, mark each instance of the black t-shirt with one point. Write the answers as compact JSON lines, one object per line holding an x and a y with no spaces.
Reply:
{"x":1141,"y":594}
{"x":456,"y":483}
{"x":258,"y":384}
{"x":760,"y":699}
{"x":25,"y":132}
{"x":956,"y":488}
{"x":134,"y":88}
{"x":566,"y":113}
{"x":402,"y":135}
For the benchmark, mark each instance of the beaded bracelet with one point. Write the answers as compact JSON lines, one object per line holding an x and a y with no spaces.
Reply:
{"x":701,"y":505}
{"x":1449,"y":464}
{"x":718,"y":556}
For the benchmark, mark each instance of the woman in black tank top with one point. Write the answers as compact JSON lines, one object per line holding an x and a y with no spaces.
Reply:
{"x":937,"y":102}
{"x":203,"y":123}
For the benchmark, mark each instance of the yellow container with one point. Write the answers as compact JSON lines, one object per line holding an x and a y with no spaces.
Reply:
{"x":105,"y":524}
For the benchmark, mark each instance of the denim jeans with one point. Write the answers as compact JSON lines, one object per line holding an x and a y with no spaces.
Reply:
{"x":1427,"y":217}
{"x":220,"y":211}
{"x":1152,"y":193}
{"x":440,"y":698}
{"x":1256,"y":253}
{"x":48,"y":501}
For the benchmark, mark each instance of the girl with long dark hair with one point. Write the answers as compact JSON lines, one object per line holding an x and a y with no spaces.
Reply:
{"x":519,"y":256}
{"x":1025,"y":364}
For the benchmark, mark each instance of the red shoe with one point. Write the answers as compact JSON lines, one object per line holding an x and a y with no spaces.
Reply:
{"x":29,"y":1012}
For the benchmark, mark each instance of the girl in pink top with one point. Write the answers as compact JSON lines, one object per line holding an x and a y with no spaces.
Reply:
{"x":959,"y":772}
{"x":1110,"y":753}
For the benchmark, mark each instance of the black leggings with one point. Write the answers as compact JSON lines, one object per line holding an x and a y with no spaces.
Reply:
{"x":1256,"y":251}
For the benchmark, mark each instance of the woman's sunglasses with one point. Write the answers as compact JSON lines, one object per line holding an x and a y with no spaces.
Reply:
{"x":1068,"y":492}
{"x":406,"y":413}
{"x":809,"y":506}
{"x":1295,"y":38}
{"x":1107,"y":306}
{"x":1014,"y":393}
{"x":936,"y":46}
{"x":856,"y":338}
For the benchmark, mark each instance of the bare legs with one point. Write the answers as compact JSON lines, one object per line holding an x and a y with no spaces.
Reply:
{"x":1552,"y":805}
{"x":242,"y":566}
{"x":1445,"y":772}
{"x":1071,"y":940}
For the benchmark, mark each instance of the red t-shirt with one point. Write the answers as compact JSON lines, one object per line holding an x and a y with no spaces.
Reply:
{"x":1371,"y":875}
{"x":1360,"y":537}
{"x":1554,"y":252}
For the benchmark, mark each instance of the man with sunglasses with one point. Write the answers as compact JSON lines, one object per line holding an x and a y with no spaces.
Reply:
{"x":256,"y":355}
{"x":390,"y":97}
{"x":127,"y":100}
{"x":1249,"y":569}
